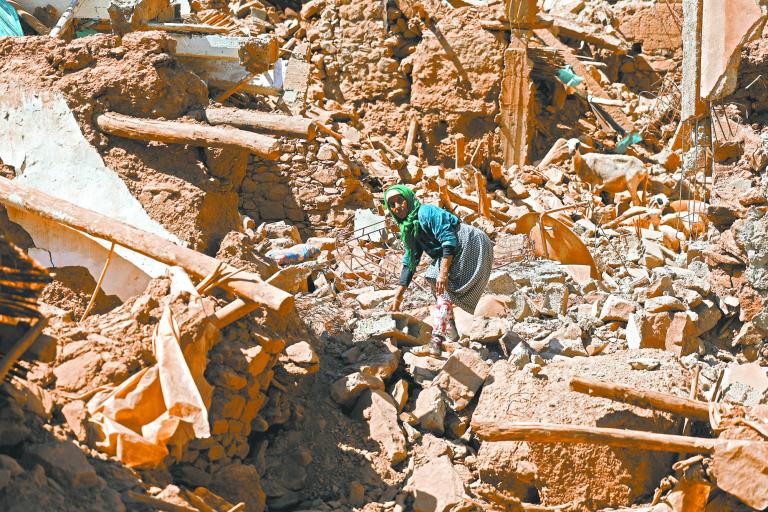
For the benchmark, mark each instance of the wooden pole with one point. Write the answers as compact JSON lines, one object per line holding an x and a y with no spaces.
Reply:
{"x":177,"y":132}
{"x":98,"y":283}
{"x":411,"y":139}
{"x":65,"y":20}
{"x":460,"y":150}
{"x":232,"y":312}
{"x":21,"y":346}
{"x":292,"y":126}
{"x":246,"y":285}
{"x":232,"y":90}
{"x":642,"y":398}
{"x":483,"y":203}
{"x":618,"y":438}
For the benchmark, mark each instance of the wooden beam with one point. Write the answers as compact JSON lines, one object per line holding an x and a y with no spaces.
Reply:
{"x":567,"y":28}
{"x":594,"y":88}
{"x":694,"y":409}
{"x":617,"y":438}
{"x":461,"y":146}
{"x":291,"y":126}
{"x":411,"y":138}
{"x":246,"y":285}
{"x":483,"y":202}
{"x":195,"y":28}
{"x":177,"y":132}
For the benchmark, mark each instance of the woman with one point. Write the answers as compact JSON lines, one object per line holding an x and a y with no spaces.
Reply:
{"x":462,"y":257}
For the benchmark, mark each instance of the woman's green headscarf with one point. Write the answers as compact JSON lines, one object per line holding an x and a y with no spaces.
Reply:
{"x":410,"y":226}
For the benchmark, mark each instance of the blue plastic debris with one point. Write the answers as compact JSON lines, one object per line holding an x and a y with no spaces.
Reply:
{"x":569,"y":77}
{"x":10,"y":25}
{"x":623,"y":145}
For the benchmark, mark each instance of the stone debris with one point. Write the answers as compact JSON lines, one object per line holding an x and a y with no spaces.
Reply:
{"x":196,"y":311}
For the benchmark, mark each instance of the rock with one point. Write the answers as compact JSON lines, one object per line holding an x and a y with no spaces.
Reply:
{"x":302,"y":354}
{"x":707,"y":316}
{"x":748,"y":336}
{"x":356,"y":496}
{"x":555,"y":299}
{"x":75,"y":415}
{"x":400,"y":394}
{"x":64,"y":462}
{"x":403,"y":328}
{"x":664,"y":303}
{"x":381,"y":412}
{"x":437,"y":486}
{"x":461,"y":377}
{"x":520,"y":355}
{"x":77,"y":373}
{"x":487,"y":330}
{"x":430,"y":409}
{"x":501,"y":283}
{"x":240,"y":482}
{"x":492,"y":306}
{"x":645,"y":363}
{"x":422,"y":368}
{"x":378,"y":359}
{"x":749,"y":374}
{"x":346,"y":390}
{"x":9,"y":464}
{"x":674,"y":332}
{"x":568,"y":348}
{"x":660,"y":285}
{"x":568,"y":473}
{"x":654,"y":255}
{"x":552,"y":342}
{"x":292,"y":279}
{"x":370,"y":300}
{"x":616,"y":308}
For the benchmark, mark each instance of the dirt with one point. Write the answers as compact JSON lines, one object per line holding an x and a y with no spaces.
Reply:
{"x":72,"y":289}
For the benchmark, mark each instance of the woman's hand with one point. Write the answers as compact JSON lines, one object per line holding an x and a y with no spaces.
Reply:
{"x":441,"y":284}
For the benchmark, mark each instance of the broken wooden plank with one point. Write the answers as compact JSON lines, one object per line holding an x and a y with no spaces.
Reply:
{"x":291,"y":126}
{"x":177,"y":132}
{"x":694,"y":409}
{"x":614,"y":437}
{"x":246,"y":285}
{"x":195,"y":28}
{"x":594,"y":88}
{"x":572,"y":30}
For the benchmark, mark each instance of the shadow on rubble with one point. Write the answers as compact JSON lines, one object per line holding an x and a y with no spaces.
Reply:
{"x":41,"y":471}
{"x":319,"y":452}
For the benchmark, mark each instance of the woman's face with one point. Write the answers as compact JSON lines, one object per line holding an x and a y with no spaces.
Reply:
{"x":399,"y":206}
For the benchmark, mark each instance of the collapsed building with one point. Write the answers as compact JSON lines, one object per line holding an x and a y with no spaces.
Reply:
{"x":197,"y":266}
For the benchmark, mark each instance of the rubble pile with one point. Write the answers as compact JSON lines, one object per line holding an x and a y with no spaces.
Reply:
{"x":196,"y":308}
